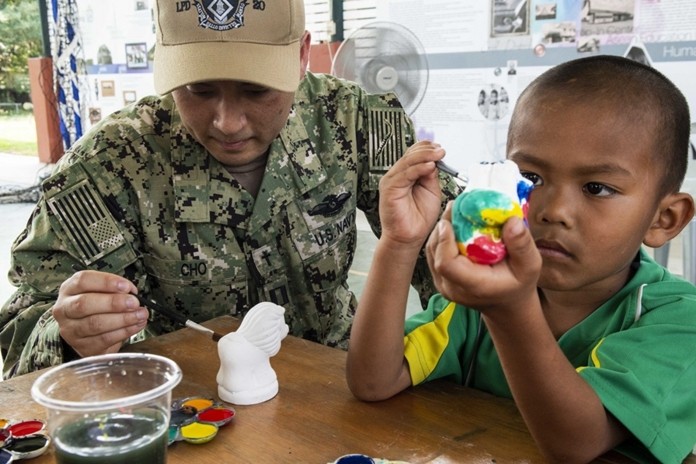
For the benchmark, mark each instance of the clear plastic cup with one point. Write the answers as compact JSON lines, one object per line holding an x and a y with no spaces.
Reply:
{"x":109,"y":409}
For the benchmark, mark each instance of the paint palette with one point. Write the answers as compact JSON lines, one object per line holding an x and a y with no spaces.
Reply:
{"x":363,"y":459}
{"x":197,"y":420}
{"x":22,"y":439}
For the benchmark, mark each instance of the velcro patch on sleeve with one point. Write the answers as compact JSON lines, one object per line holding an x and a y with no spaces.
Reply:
{"x":387,"y":128}
{"x":87,"y":222}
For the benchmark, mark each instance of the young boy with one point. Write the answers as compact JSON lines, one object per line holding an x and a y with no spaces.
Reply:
{"x":594,"y":341}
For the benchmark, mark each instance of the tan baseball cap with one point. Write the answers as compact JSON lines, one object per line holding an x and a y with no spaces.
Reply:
{"x":243,"y":40}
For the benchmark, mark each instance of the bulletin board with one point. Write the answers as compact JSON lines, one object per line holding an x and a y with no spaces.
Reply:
{"x":483,"y":51}
{"x":118,"y":40}
{"x":480,"y":54}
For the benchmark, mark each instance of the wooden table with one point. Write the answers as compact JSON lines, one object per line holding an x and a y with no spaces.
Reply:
{"x":315,"y":419}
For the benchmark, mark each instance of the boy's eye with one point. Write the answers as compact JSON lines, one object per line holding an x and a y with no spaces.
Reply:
{"x":598,"y":190}
{"x":533,"y":178}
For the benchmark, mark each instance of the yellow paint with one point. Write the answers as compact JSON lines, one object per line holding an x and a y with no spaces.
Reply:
{"x":199,"y":403}
{"x":198,"y":432}
{"x":497,"y":217}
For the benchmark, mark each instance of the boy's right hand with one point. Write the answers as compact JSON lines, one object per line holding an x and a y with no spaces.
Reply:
{"x":485,"y":287}
{"x":96,"y":313}
{"x":409,"y":195}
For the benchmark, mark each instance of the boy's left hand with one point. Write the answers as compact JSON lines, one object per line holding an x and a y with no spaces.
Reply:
{"x":479,"y":286}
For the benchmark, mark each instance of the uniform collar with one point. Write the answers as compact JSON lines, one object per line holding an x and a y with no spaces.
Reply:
{"x":293,"y":169}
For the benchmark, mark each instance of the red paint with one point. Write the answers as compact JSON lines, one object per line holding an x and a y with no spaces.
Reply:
{"x":483,"y":250}
{"x":218,"y":416}
{"x":21,"y":429}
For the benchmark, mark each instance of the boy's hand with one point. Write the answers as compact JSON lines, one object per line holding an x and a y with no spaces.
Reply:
{"x":409,"y":195}
{"x":480,"y":286}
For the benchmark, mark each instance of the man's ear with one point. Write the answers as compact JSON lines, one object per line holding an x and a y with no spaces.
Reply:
{"x":305,"y":48}
{"x":673,"y":214}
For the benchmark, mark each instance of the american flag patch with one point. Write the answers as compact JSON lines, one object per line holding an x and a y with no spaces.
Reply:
{"x":386,"y":137}
{"x":86,"y":221}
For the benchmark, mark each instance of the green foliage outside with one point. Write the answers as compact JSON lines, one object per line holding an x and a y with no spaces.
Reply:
{"x":18,"y":134}
{"x":20,"y":39}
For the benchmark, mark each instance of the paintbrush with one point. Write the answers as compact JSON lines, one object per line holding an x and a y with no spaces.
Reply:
{"x":177,"y":317}
{"x":451,"y":171}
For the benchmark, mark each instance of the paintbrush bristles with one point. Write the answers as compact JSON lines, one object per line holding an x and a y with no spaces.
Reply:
{"x":216,"y":336}
{"x":177,"y":317}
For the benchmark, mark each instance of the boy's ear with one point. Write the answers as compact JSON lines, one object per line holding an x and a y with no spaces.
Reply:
{"x":673,"y":214}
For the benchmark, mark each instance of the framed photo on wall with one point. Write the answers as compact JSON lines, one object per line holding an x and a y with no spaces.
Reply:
{"x":95,"y":115}
{"x":136,"y":55}
{"x":128,"y":97}
{"x":509,"y":17}
{"x":108,"y":88}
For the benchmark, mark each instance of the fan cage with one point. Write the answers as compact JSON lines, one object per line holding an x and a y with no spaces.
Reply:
{"x":382,"y":57}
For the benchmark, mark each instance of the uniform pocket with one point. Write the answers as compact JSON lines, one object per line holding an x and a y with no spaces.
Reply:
{"x":199,"y":289}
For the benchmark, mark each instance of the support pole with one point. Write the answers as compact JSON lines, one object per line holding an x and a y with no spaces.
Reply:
{"x":337,"y":18}
{"x":45,"y":37}
{"x":43,"y":98}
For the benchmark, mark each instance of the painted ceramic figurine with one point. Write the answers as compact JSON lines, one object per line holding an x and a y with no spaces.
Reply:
{"x":246,"y":375}
{"x":495,"y":193}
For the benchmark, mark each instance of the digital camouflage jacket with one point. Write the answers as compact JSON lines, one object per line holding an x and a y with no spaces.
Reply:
{"x":139,"y":197}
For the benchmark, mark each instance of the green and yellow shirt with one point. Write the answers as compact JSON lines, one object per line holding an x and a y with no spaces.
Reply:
{"x":637,"y":351}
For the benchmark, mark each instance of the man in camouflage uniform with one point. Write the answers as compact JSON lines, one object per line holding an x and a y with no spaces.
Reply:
{"x":239,"y":185}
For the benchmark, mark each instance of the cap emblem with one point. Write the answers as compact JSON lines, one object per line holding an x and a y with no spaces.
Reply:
{"x":220,"y":15}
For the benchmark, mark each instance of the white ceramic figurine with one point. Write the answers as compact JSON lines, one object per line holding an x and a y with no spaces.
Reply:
{"x":246,"y":375}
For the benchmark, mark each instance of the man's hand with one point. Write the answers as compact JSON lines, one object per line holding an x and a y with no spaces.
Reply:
{"x":96,"y":313}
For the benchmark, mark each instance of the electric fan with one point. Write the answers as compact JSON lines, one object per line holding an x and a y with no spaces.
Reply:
{"x":385,"y":57}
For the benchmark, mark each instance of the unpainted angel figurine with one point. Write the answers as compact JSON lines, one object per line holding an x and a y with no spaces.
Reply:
{"x":246,"y":375}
